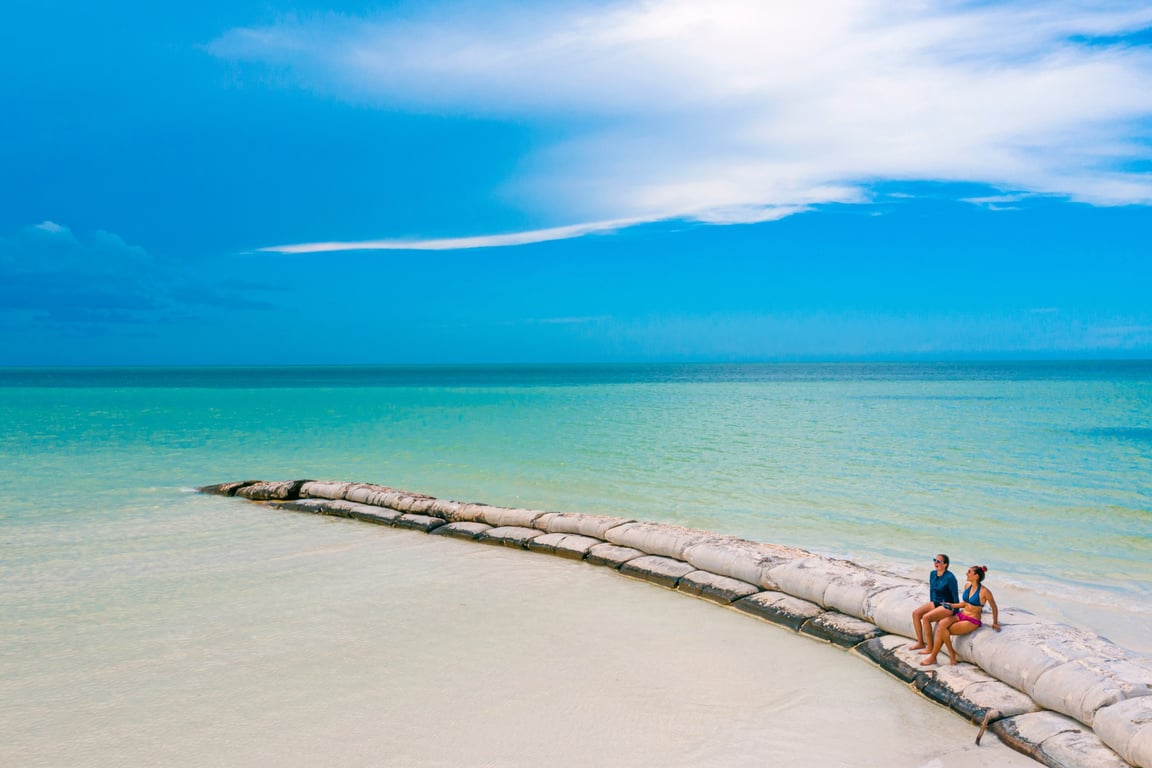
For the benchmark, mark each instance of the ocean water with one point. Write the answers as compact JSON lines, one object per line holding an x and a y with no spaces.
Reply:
{"x":121,"y":590}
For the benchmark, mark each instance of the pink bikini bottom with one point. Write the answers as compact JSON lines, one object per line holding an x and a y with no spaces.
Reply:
{"x":969,"y":619}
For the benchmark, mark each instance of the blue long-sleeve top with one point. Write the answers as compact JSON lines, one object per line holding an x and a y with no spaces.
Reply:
{"x":943,"y":589}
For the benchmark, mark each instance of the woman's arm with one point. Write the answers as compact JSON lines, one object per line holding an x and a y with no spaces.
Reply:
{"x":995,"y":609}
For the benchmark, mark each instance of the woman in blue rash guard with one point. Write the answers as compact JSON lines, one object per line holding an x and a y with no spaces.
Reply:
{"x":942,"y":589}
{"x":966,"y":616}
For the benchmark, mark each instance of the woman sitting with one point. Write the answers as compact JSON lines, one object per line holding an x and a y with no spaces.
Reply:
{"x":941,"y":589}
{"x":967,"y":614}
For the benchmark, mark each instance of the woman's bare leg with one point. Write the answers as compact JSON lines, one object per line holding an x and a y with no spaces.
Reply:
{"x":934,"y":615}
{"x":918,"y":624}
{"x":941,"y":633}
{"x":959,"y":628}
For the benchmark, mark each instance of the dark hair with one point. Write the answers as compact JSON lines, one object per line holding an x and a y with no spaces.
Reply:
{"x":981,"y":571}
{"x":944,"y":557}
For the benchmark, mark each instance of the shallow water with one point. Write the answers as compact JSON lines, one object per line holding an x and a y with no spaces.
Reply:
{"x":135,"y":612}
{"x":273,"y":638}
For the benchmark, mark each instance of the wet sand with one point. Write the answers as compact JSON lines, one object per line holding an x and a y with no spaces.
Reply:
{"x":273,"y":638}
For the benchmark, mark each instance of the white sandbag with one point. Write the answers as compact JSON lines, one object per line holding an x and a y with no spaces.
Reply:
{"x":739,"y":558}
{"x":570,"y":545}
{"x":839,"y":629}
{"x":370,"y":513}
{"x":502,"y":516}
{"x":509,"y":536}
{"x":575,"y":546}
{"x":368,"y":494}
{"x":779,"y":608}
{"x":1081,"y":687}
{"x":225,"y":489}
{"x":852,"y":587}
{"x":656,"y":538}
{"x":972,"y":692}
{"x":420,"y":505}
{"x":334,"y":507}
{"x":265,"y":491}
{"x":546,"y":542}
{"x":719,"y":589}
{"x":575,"y":522}
{"x":462,"y":530}
{"x":809,"y":577}
{"x":470,"y":513}
{"x":449,"y":510}
{"x":1056,"y":740}
{"x":391,"y":499}
{"x":891,"y":608}
{"x":415,"y":503}
{"x":1027,"y":647}
{"x":1126,"y":727}
{"x":664,"y":571}
{"x":417,"y":522}
{"x":324,"y":489}
{"x":611,"y":555}
{"x":311,"y":506}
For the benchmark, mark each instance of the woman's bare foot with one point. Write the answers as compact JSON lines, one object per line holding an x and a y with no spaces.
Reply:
{"x":926,"y":651}
{"x":928,"y":661}
{"x":916,"y":647}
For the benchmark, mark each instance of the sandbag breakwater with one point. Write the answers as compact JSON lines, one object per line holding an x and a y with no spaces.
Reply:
{"x":1058,"y":694}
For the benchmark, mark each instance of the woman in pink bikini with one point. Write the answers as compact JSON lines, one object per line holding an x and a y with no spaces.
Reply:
{"x":967,"y":614}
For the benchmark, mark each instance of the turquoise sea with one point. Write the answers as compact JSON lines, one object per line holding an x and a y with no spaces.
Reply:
{"x":1042,"y":471}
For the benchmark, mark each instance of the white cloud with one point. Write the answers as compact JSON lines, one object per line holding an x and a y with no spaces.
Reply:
{"x":461,"y":243}
{"x":734,"y":109}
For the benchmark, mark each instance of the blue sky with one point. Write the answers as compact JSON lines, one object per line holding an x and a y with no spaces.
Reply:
{"x":297,"y":182}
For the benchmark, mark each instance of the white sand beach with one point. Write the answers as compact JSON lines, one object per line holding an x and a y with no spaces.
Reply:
{"x":303,"y":641}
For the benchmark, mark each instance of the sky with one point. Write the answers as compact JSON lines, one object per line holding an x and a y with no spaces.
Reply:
{"x":279,"y":182}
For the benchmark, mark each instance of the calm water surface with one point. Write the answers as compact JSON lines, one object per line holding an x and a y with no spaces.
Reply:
{"x":1041,"y":471}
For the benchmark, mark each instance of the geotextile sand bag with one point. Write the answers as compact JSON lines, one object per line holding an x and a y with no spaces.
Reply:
{"x":362,"y":493}
{"x":611,"y":555}
{"x":851,"y":589}
{"x":324,"y":489}
{"x":810,"y":576}
{"x":503,"y":516}
{"x":267,"y":491}
{"x":461,"y":530}
{"x":656,"y":538}
{"x":719,"y":589}
{"x":891,"y":608}
{"x":779,"y":608}
{"x":664,"y":571}
{"x":370,"y":513}
{"x":841,"y":630}
{"x":575,"y":522}
{"x":575,"y":546}
{"x":739,"y":558}
{"x":1081,"y":687}
{"x":1126,"y":727}
{"x":469,"y":513}
{"x":1056,"y":740}
{"x":509,"y":536}
{"x":973,"y":693}
{"x":449,"y":510}
{"x":1027,"y":649}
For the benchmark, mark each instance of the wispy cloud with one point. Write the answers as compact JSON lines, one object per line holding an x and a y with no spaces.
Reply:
{"x":745,"y":214}
{"x":460,"y":243}
{"x":731,"y":110}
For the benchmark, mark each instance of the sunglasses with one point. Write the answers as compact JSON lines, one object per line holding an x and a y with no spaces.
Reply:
{"x":937,"y":560}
